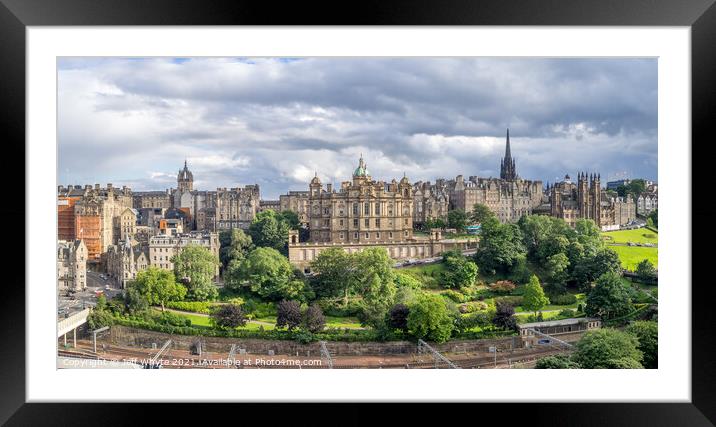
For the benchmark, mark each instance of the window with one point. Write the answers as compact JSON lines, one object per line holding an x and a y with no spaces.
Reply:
{"x":355,"y":209}
{"x":341,"y":223}
{"x":390,"y":235}
{"x":355,"y":236}
{"x":340,"y":236}
{"x":377,"y":222}
{"x":377,"y":208}
{"x":355,"y":223}
{"x":405,"y":233}
{"x":366,"y":208}
{"x":367,"y":222}
{"x":377,"y":235}
{"x":367,"y":235}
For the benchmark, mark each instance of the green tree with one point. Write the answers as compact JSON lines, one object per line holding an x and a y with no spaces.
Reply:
{"x":313,"y":319}
{"x":593,"y":265}
{"x":269,"y":229}
{"x":270,"y":275}
{"x":649,"y":222}
{"x":504,"y":316}
{"x":459,"y":270}
{"x":335,"y":269}
{"x":610,"y":298}
{"x":557,"y":267}
{"x":430,"y":319}
{"x":654,"y":216}
{"x":500,"y":248}
{"x":100,"y":315}
{"x":645,"y":270}
{"x":156,"y":287}
{"x":228,"y":316}
{"x":480,"y":213}
{"x":457,"y":219}
{"x":195,"y":266}
{"x":374,"y":278}
{"x":291,"y":218}
{"x":647,"y":333}
{"x":608,"y":349}
{"x":559,"y":361}
{"x":533,"y":298}
{"x":235,"y":244}
{"x":636,"y":187}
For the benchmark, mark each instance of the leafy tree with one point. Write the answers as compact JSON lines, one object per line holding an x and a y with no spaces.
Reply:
{"x":557,"y":268}
{"x":288,"y":314}
{"x":313,"y":319}
{"x":235,"y":244}
{"x":533,"y":298}
{"x":649,"y":222}
{"x":587,"y":232}
{"x":270,"y":229}
{"x":647,"y":333}
{"x":270,"y":275}
{"x":335,"y":269}
{"x":591,"y":266}
{"x":504,"y":316}
{"x":636,"y":187}
{"x":195,"y":266}
{"x":291,"y":218}
{"x":404,"y":280}
{"x":459,"y":270}
{"x":155,"y":286}
{"x":559,"y":361}
{"x":501,"y":246}
{"x":608,"y":349}
{"x":228,"y":316}
{"x":101,"y":315}
{"x":610,"y":298}
{"x":398,"y":317}
{"x":645,"y":270}
{"x":480,"y":213}
{"x":134,"y":301}
{"x":622,"y":190}
{"x":654,"y":216}
{"x":457,"y":219}
{"x":429,"y":318}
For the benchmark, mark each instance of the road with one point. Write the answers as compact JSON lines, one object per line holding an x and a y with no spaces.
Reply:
{"x":72,"y":303}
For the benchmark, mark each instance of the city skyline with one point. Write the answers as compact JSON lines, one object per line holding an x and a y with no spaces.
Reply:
{"x":276,"y":122}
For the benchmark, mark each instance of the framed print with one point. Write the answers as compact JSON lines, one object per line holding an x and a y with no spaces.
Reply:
{"x":437,"y":207}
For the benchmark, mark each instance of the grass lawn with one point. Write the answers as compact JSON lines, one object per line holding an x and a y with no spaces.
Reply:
{"x":203,"y":321}
{"x":638,"y":235}
{"x":630,"y":256}
{"x":581,"y":298}
{"x":523,"y":317}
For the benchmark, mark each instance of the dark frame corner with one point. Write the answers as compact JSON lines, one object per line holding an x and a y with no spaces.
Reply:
{"x":700,"y":15}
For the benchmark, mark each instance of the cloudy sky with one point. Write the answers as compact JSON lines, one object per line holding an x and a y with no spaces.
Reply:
{"x":276,"y":122}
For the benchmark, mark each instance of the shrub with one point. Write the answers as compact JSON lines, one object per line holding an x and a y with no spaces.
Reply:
{"x":502,"y":286}
{"x":564,"y":299}
{"x":512,"y":300}
{"x":228,"y":316}
{"x":191,"y":306}
{"x":472,"y":306}
{"x":454,"y":295}
{"x":313,"y":319}
{"x":169,"y":318}
{"x":567,"y":313}
{"x":288,"y":314}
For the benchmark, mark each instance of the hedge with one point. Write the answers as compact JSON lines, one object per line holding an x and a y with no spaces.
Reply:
{"x":203,"y":307}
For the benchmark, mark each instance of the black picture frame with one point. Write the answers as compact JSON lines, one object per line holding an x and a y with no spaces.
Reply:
{"x":699,"y":15}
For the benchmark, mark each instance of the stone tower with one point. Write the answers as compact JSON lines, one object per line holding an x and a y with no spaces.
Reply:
{"x":185,"y":179}
{"x":507,"y":164}
{"x":595,"y":194}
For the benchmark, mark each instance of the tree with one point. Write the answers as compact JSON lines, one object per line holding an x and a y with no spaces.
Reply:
{"x":288,"y":314}
{"x":156,"y":287}
{"x":591,"y":266}
{"x":645,"y":271}
{"x":647,"y":333}
{"x":398,"y":317}
{"x":504,"y":316}
{"x":654,"y":216}
{"x":480,"y":213}
{"x":649,"y":222}
{"x":610,"y":298}
{"x":429,"y":318}
{"x":270,"y":275}
{"x":457,"y":219}
{"x":291,"y":218}
{"x":501,"y":246}
{"x":235,"y":244}
{"x":636,"y":187}
{"x":459,"y":270}
{"x":557,"y":268}
{"x":608,"y":349}
{"x":100,"y":316}
{"x":313,"y":319}
{"x":335,"y":268}
{"x":228,"y":316}
{"x":559,"y":361}
{"x":533,"y":298}
{"x":195,"y":266}
{"x":269,"y":229}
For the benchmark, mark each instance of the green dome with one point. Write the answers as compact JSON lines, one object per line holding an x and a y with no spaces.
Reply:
{"x":362,"y":169}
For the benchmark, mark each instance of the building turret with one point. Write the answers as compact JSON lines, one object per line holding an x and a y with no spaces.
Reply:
{"x":185,"y":179}
{"x":508,"y":170}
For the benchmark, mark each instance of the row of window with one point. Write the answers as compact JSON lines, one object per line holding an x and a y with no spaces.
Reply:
{"x":356,"y":235}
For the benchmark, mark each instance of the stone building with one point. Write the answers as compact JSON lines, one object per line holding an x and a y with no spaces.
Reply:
{"x":152,"y":199}
{"x":269,"y":205}
{"x":126,"y":224}
{"x":362,"y":210}
{"x":236,"y":207}
{"x":163,"y":247}
{"x":123,"y":261}
{"x":365,"y":213}
{"x":430,"y":201}
{"x":586,"y":199}
{"x":71,"y":265}
{"x":508,"y":197}
{"x":94,"y":215}
{"x":296,"y":201}
{"x":646,"y":203}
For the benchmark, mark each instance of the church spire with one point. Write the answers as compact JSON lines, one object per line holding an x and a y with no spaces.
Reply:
{"x":507,"y":164}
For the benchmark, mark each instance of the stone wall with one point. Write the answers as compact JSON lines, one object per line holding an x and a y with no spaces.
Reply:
{"x":126,"y":336}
